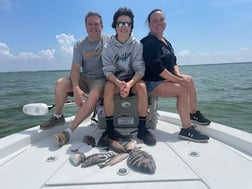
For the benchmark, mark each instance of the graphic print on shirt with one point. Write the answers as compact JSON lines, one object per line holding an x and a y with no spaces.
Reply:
{"x":122,"y":61}
{"x":165,"y":52}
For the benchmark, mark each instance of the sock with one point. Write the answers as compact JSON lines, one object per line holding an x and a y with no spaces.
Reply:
{"x":142,"y":123}
{"x":69,"y":131}
{"x":109,"y":123}
{"x":57,"y":115}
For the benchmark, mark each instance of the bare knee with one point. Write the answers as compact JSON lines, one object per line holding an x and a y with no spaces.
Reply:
{"x":63,"y":85}
{"x":184,"y":92}
{"x":109,"y":89}
{"x":95,"y":94}
{"x":140,"y":88}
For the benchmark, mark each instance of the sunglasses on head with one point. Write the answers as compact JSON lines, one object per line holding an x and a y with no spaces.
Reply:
{"x":125,"y":24}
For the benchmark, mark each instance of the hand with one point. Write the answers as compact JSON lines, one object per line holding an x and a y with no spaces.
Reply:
{"x":124,"y":89}
{"x":78,"y":96}
{"x":185,"y":80}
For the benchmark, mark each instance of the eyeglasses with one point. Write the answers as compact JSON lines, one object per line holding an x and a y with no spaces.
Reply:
{"x":125,"y":24}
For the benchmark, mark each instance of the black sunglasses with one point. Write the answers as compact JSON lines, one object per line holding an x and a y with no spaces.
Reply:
{"x":125,"y":24}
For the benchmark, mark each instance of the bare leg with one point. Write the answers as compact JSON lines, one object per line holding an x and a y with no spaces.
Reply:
{"x":142,"y":100}
{"x":63,"y":86}
{"x":193,"y":95}
{"x":86,"y":109}
{"x":170,"y":89}
{"x":109,"y":91}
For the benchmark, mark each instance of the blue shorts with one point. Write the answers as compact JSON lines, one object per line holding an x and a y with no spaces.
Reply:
{"x":150,"y":85}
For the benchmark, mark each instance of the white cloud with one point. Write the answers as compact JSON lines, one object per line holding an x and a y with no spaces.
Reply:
{"x":49,"y":54}
{"x":187,"y":57}
{"x":27,"y":56}
{"x":5,"y":50}
{"x":184,"y":53}
{"x":43,"y":54}
{"x":66,"y":42}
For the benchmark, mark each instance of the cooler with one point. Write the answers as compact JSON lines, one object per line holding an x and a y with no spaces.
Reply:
{"x":125,"y":114}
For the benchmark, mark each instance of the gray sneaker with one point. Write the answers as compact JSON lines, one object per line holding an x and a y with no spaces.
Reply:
{"x":193,"y":135}
{"x":53,"y":121}
{"x":62,"y":138}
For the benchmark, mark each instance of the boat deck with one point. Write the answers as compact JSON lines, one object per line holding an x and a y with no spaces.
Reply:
{"x":31,"y":159}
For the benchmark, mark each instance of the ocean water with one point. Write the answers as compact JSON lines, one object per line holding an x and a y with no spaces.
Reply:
{"x":224,"y":93}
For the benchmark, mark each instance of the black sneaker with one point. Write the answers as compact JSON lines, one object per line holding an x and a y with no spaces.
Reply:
{"x":147,"y":137}
{"x":199,"y":119}
{"x":193,"y":135}
{"x":53,"y":121}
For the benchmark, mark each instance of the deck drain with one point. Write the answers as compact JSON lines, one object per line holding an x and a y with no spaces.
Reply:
{"x":193,"y":153}
{"x":122,"y":171}
{"x":51,"y":158}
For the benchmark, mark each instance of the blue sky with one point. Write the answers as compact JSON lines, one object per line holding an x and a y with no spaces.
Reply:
{"x":39,"y":34}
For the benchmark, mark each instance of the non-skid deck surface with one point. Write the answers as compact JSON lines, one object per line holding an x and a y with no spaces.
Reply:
{"x":180,"y":164}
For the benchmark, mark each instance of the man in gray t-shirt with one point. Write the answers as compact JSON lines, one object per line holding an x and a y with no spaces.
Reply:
{"x":86,"y":79}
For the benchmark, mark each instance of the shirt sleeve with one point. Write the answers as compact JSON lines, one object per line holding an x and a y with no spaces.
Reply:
{"x":138,"y":63}
{"x":77,"y":55}
{"x":108,"y":66}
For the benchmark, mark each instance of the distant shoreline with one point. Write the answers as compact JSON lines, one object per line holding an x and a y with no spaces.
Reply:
{"x":179,"y":65}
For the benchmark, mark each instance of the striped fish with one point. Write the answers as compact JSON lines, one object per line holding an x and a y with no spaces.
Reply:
{"x":141,"y":161}
{"x":97,"y":158}
{"x":114,"y":160}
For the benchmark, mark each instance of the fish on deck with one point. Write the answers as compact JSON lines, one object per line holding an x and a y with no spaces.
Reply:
{"x":76,"y":158}
{"x":89,"y":140}
{"x":141,"y":161}
{"x":97,"y":158}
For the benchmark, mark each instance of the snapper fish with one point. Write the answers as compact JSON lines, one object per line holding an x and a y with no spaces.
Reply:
{"x":141,"y":161}
{"x":89,"y":140}
{"x":97,"y":158}
{"x":116,"y":146}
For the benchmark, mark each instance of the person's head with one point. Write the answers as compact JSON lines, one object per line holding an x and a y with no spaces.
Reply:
{"x":156,"y":22}
{"x":94,"y":25}
{"x":123,"y":21}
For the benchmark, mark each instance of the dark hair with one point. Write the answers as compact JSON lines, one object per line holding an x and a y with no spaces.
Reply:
{"x":149,"y":15}
{"x":123,"y":12}
{"x":93,"y":14}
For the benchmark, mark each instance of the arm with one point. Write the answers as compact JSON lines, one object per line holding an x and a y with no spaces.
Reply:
{"x":138,"y":66}
{"x":176,"y":70}
{"x":75,"y":78}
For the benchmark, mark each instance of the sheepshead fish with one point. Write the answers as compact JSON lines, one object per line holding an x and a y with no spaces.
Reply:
{"x":76,"y":158}
{"x":97,"y":158}
{"x":114,"y":160}
{"x":89,"y":140}
{"x":141,"y":161}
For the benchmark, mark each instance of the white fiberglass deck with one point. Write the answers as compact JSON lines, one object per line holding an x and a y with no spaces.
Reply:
{"x":180,"y":164}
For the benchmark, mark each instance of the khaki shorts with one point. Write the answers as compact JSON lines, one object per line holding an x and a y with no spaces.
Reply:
{"x":89,"y":84}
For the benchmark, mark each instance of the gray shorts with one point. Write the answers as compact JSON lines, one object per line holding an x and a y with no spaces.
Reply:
{"x":150,"y":85}
{"x":89,"y":84}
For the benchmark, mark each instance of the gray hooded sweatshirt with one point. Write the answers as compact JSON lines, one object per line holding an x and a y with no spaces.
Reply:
{"x":123,"y":60}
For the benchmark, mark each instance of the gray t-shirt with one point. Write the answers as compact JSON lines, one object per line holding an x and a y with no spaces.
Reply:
{"x":88,"y":54}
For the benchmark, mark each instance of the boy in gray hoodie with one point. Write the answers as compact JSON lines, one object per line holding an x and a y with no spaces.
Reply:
{"x":124,"y":68}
